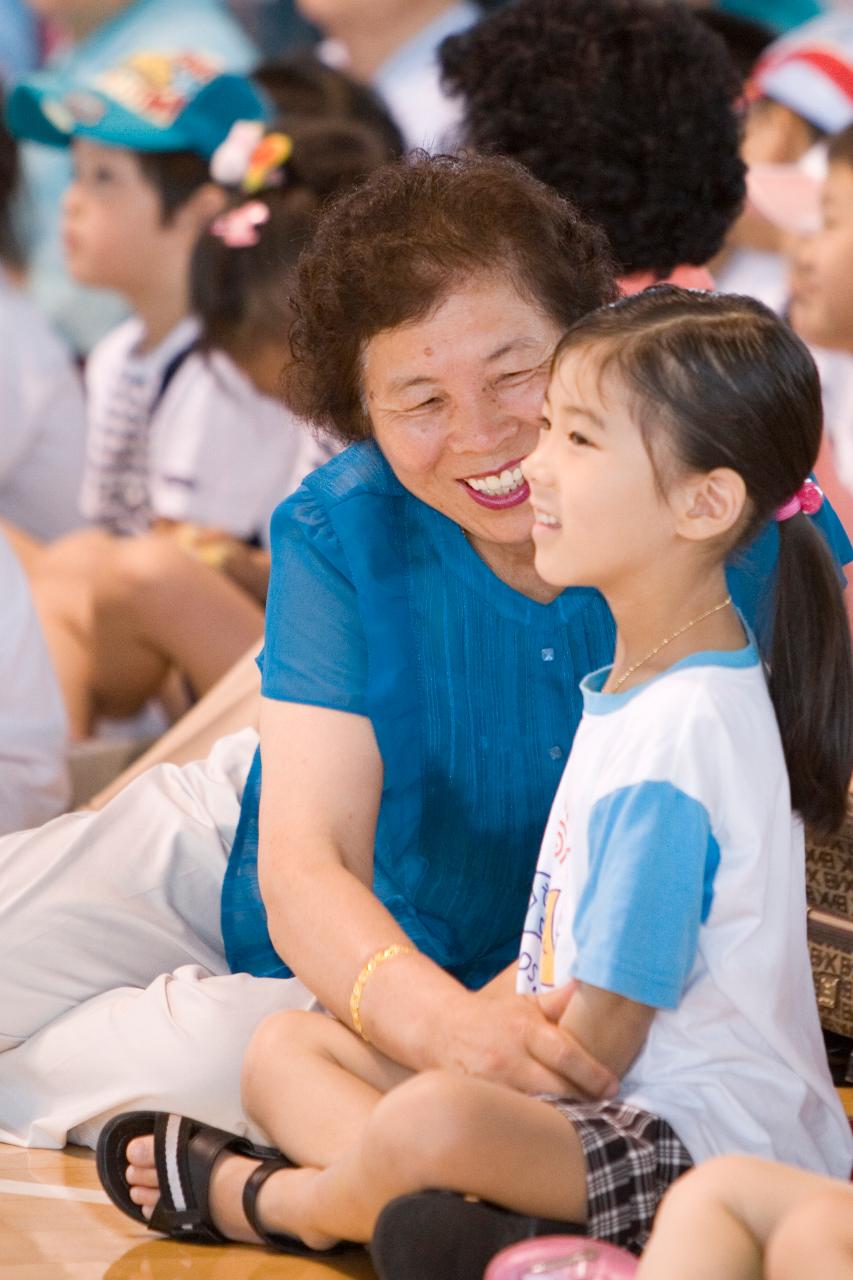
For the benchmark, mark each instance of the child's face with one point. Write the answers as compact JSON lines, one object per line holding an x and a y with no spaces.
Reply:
{"x":822,"y":269}
{"x":112,"y":225}
{"x":599,"y":515}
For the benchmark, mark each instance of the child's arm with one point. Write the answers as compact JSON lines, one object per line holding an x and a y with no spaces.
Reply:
{"x":610,"y":1027}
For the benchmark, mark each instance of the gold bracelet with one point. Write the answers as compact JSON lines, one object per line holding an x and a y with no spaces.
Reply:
{"x":378,"y":958}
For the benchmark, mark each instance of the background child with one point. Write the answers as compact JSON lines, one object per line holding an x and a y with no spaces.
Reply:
{"x":670,"y":884}
{"x":798,"y":96}
{"x":119,"y":614}
{"x":141,"y":135}
{"x":42,"y":444}
{"x":33,"y":730}
{"x":100,"y":34}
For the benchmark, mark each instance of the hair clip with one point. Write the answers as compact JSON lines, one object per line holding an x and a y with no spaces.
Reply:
{"x":249,"y":159}
{"x":239,"y":228}
{"x":266,"y":162}
{"x":808,"y":499}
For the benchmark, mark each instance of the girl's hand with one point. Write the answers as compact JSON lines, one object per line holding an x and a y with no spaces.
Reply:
{"x":510,"y":1039}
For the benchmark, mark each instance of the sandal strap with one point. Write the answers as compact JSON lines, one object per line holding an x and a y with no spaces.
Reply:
{"x":185,"y":1152}
{"x":254,"y":1182}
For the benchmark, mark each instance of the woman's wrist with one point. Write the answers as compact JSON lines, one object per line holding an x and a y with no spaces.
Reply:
{"x":408,"y":1010}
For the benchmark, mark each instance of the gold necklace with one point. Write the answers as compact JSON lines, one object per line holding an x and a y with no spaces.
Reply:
{"x":674,"y":636}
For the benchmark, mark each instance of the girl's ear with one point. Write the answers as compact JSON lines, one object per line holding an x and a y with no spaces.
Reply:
{"x":710,"y":505}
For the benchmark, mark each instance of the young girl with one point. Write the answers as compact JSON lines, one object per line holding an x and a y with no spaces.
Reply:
{"x":666,"y":928}
{"x":221,"y":449}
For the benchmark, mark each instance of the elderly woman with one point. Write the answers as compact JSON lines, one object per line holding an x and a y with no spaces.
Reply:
{"x":420,"y":696}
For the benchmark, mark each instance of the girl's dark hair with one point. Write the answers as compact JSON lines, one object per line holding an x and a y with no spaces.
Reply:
{"x":300,"y":85}
{"x":730,"y":385}
{"x":242,"y":295}
{"x":389,"y":252}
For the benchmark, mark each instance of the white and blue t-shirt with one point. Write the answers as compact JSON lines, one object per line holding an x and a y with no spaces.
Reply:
{"x":672,"y":873}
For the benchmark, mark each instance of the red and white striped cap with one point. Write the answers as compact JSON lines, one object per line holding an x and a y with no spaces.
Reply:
{"x":811,"y":71}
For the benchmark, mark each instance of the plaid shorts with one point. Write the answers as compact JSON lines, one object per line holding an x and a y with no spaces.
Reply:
{"x":632,"y":1157}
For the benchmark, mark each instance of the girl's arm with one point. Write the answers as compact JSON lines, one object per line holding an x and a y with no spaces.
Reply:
{"x":611,"y":1028}
{"x":319,"y":806}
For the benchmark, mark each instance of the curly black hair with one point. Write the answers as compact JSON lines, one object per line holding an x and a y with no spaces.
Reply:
{"x":627,"y":107}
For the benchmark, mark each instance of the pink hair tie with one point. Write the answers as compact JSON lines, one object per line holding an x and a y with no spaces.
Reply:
{"x":809,"y":499}
{"x":239,"y":227}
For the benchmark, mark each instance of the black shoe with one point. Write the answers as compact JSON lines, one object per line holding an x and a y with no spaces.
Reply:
{"x":439,"y":1235}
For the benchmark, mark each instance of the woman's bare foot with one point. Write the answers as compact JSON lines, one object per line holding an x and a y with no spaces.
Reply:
{"x":283,"y":1205}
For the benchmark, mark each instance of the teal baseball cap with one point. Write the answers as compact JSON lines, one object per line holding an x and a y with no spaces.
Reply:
{"x":152,"y":101}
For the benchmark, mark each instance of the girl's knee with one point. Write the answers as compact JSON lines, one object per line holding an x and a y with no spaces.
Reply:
{"x":282,"y":1037}
{"x":821,"y":1226}
{"x":708,"y":1184}
{"x":418,"y":1129}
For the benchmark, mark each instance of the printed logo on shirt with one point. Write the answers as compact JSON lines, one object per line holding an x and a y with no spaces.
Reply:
{"x":157,"y":86}
{"x":549,"y":939}
{"x":562,"y":848}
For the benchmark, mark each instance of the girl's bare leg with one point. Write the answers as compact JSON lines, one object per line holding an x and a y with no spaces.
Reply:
{"x":232,"y":704}
{"x":119,"y":614}
{"x":27,"y":548}
{"x":166,"y":609}
{"x":815,"y":1239}
{"x":433,"y":1130}
{"x":718,"y":1220}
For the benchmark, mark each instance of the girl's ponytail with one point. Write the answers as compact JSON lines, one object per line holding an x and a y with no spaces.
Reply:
{"x":811,"y":675}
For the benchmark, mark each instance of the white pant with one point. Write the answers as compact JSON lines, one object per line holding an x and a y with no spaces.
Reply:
{"x":114,"y":989}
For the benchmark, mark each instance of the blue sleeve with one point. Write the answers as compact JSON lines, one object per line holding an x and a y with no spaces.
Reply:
{"x":314,"y":647}
{"x":752,"y":572}
{"x":652,"y":861}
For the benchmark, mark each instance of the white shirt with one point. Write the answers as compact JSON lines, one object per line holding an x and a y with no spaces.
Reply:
{"x":672,"y":873}
{"x":33,"y":730}
{"x":42,"y":442}
{"x":124,"y":384}
{"x":221,"y":453}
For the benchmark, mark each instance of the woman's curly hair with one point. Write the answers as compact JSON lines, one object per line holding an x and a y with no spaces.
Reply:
{"x":626,"y":107}
{"x":392,"y":250}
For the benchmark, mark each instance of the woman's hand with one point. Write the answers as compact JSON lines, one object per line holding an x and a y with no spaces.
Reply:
{"x":515,"y":1040}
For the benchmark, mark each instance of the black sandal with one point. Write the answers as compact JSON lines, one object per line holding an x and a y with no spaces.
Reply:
{"x":185,"y":1152}
{"x":435,"y":1234}
{"x":275,"y":1239}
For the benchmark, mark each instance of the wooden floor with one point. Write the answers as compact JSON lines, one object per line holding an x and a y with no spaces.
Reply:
{"x":55,"y":1222}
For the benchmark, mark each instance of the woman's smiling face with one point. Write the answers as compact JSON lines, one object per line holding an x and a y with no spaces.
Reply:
{"x":455,"y":402}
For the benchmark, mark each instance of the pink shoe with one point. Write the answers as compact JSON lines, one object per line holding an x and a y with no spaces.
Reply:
{"x":562,"y":1258}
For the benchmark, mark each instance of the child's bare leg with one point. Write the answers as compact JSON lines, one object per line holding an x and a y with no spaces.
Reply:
{"x":433,"y":1130}
{"x":163,"y":608}
{"x":449,"y":1131}
{"x":28,"y":549}
{"x":311,"y":1085}
{"x":232,"y":704}
{"x":815,"y":1239}
{"x":718,"y":1219}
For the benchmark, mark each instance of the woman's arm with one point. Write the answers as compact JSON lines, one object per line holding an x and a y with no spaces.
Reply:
{"x":319,"y":805}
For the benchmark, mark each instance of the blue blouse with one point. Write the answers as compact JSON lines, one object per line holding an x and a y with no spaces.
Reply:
{"x":379,"y":606}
